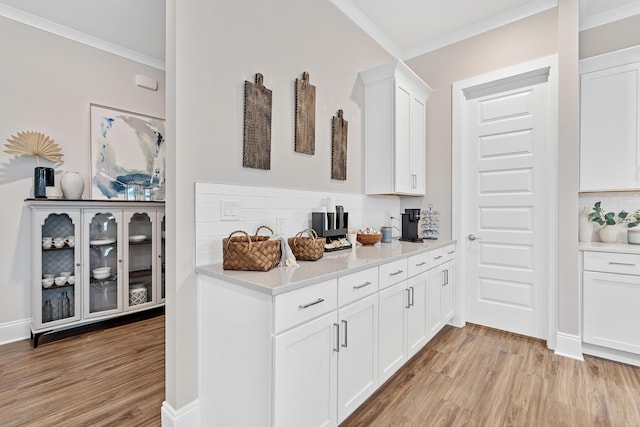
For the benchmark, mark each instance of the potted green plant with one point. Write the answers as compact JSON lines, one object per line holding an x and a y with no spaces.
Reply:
{"x":633,"y":235}
{"x":608,"y":220}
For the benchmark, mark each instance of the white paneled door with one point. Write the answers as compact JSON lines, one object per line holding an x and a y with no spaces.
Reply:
{"x":505,"y":133}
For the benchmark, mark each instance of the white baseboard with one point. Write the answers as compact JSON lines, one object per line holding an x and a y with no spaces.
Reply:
{"x":568,"y":345}
{"x":187,"y":416}
{"x":15,"y":331}
{"x":611,"y":354}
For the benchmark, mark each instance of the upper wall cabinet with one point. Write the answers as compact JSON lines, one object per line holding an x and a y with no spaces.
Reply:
{"x":609,"y":120}
{"x":394,"y":130}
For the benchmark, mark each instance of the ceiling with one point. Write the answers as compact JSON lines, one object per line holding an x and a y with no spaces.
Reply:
{"x":406,"y":28}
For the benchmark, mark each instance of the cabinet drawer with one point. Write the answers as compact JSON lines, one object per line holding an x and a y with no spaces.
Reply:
{"x":393,"y":272}
{"x":436,"y":257}
{"x":418,"y":263}
{"x":295,"y":307}
{"x":609,"y":262}
{"x":357,"y":285}
{"x":449,"y":253}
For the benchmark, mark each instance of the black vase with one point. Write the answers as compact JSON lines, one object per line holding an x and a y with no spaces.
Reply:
{"x":42,"y":178}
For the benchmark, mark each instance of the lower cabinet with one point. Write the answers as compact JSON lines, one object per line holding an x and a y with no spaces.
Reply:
{"x":392,"y":353}
{"x":611,"y":314}
{"x":306,"y":373}
{"x":441,"y":296}
{"x":416,"y":312}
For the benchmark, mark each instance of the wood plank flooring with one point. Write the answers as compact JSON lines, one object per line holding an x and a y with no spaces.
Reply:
{"x":472,"y":376}
{"x":104,"y":377}
{"x":477,"y":376}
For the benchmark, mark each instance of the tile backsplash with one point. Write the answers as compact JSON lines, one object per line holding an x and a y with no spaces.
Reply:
{"x":629,"y":201}
{"x":283,"y":210}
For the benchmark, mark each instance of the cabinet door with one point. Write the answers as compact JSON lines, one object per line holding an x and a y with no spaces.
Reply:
{"x":102,"y":262}
{"x":392,"y":340}
{"x":358,"y":355}
{"x":417,"y":143}
{"x":160,"y":265}
{"x":417,"y":332}
{"x":139,"y":260}
{"x":306,"y":374}
{"x":447,"y":296}
{"x":609,"y":138}
{"x":611,"y":315}
{"x":56,"y":301}
{"x":436,"y":283}
{"x":403,"y":179}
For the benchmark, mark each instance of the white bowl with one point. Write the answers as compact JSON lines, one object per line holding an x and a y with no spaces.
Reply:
{"x":101,"y":276}
{"x":48,"y":276}
{"x":47,"y":282}
{"x":71,"y":280}
{"x":102,"y":270}
{"x":61,"y":280}
{"x":65,"y":273}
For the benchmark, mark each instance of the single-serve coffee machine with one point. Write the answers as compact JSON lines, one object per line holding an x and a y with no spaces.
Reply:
{"x":410,"y":225}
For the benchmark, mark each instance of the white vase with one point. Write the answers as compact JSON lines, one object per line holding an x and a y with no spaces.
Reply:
{"x":72,"y":185}
{"x":585,"y":227}
{"x":609,"y":234}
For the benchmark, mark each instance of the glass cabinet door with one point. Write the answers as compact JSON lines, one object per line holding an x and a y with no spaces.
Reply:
{"x":102,"y":277}
{"x":141,"y":251}
{"x":57,"y":299}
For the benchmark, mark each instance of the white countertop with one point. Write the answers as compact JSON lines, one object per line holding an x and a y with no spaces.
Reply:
{"x":609,"y":247}
{"x":331,"y":265}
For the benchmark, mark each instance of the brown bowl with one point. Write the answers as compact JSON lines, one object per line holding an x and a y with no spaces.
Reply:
{"x":369,"y":239}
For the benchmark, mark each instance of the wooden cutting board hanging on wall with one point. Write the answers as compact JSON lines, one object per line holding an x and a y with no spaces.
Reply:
{"x":256,"y":151}
{"x":339,"y":132}
{"x":305,"y":127}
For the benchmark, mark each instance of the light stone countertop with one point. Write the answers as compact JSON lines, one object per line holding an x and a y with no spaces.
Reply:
{"x":624,"y":248}
{"x":330,"y":266}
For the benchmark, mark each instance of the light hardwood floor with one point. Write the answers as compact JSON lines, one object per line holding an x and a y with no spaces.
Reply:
{"x":477,"y":376}
{"x":101,"y":377}
{"x":472,"y":376}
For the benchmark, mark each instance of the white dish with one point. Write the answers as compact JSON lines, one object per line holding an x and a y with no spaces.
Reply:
{"x":101,"y":242}
{"x":101,"y":270}
{"x":101,"y":276}
{"x":137,"y":238}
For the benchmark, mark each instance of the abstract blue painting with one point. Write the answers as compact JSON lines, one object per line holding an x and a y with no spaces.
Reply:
{"x":126,"y":148}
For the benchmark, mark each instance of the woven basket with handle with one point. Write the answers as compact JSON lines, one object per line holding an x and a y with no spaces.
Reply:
{"x":251,"y":253}
{"x":307,"y":248}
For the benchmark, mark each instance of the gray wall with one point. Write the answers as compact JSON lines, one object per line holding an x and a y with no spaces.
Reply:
{"x":610,"y":37}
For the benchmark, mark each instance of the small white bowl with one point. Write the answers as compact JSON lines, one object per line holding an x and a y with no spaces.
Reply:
{"x":65,"y":273}
{"x":48,"y":276}
{"x":47,"y":282}
{"x":102,"y":270}
{"x":101,"y":276}
{"x":71,"y":280}
{"x":61,"y":280}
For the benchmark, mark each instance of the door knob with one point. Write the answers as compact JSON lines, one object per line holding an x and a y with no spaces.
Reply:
{"x":472,"y":237}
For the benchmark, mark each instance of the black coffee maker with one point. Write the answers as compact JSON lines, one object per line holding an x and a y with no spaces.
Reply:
{"x":410,"y":225}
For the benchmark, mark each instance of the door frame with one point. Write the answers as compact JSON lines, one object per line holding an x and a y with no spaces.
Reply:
{"x":460,"y":175}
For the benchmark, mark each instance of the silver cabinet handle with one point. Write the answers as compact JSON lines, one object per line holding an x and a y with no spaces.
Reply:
{"x":337,"y":347}
{"x":445,"y":277}
{"x":437,"y":257}
{"x":451,"y":252}
{"x":346,"y":325}
{"x":628,"y":264}
{"x":396,"y":273}
{"x":77,"y":264}
{"x":408,"y":298}
{"x":472,"y":237}
{"x":420,"y":264}
{"x":318,"y":301}
{"x":411,"y":304}
{"x":362,"y":286}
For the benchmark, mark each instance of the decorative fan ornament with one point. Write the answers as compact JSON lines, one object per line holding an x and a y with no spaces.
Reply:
{"x":35,"y":144}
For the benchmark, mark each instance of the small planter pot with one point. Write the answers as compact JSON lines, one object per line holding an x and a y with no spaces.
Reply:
{"x":609,"y":234}
{"x":633,"y":237}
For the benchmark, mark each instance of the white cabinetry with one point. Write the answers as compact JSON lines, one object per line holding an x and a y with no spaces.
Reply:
{"x":395,"y":117}
{"x":609,"y":122}
{"x":441,"y":289}
{"x":120,"y":236}
{"x":611,"y":297}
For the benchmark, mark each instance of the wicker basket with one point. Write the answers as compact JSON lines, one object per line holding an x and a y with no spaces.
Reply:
{"x":250,"y":253}
{"x":307,"y":248}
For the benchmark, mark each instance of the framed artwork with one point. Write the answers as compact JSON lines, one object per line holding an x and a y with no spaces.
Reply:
{"x":126,"y":148}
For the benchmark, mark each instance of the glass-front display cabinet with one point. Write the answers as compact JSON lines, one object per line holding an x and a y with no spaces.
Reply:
{"x":93,"y":260}
{"x":55,"y":263}
{"x":102,"y":275}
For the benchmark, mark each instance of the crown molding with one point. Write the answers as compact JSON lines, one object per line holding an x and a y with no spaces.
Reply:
{"x":77,"y":36}
{"x":479,"y":28}
{"x":610,"y":16}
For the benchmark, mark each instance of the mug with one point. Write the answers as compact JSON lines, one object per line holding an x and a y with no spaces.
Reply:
{"x":386,"y":234}
{"x":71,"y":241}
{"x":58,"y":242}
{"x":47,"y":242}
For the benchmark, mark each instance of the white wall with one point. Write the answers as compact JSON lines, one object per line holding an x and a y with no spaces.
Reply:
{"x":47,"y":84}
{"x":219,"y":45}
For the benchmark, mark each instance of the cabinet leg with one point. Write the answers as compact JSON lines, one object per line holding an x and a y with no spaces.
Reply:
{"x":36,"y":337}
